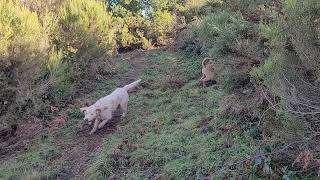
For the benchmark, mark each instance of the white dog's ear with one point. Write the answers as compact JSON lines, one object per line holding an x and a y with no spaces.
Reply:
{"x":99,"y":109}
{"x":83,"y":109}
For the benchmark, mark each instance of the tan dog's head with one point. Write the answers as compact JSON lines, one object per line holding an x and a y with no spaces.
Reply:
{"x":206,"y":61}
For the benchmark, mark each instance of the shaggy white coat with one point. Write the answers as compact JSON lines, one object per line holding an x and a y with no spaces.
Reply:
{"x":101,"y":111}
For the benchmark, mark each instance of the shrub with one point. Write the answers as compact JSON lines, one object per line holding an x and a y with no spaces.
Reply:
{"x":162,"y":24}
{"x":24,"y":43}
{"x":220,"y":31}
{"x":45,"y":56}
{"x":154,"y":24}
{"x":42,"y":6}
{"x":20,"y":28}
{"x":87,"y":27}
{"x":294,"y":51}
{"x":252,"y":10}
{"x":132,"y":31}
{"x":164,"y":5}
{"x":291,"y":73}
{"x":83,"y":35}
{"x":230,"y":40}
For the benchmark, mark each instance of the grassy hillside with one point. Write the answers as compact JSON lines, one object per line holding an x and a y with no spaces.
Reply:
{"x":259,"y":119}
{"x":175,"y":129}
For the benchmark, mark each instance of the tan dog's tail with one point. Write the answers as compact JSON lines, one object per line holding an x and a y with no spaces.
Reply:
{"x":131,"y":85}
{"x":204,"y":62}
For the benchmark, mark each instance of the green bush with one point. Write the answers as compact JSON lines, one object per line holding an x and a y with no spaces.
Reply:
{"x":230,"y":40}
{"x":292,"y":40}
{"x":45,"y":56}
{"x":291,"y":72}
{"x":137,"y":29}
{"x":220,"y":32}
{"x":20,"y":29}
{"x":24,"y":43}
{"x":87,"y":27}
{"x":132,"y":31}
{"x":162,"y":24}
{"x":165,"y":5}
{"x":252,"y":10}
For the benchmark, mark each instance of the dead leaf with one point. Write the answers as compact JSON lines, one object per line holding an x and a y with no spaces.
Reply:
{"x":54,"y":109}
{"x":131,"y":146}
{"x":60,"y":120}
{"x":116,"y":152}
{"x":122,"y":129}
{"x":305,"y":157}
{"x":141,"y":131}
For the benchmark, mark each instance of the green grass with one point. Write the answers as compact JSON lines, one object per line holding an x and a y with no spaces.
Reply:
{"x":185,"y":136}
{"x":33,"y":164}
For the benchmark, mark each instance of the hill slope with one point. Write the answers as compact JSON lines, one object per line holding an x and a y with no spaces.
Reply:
{"x":175,"y":129}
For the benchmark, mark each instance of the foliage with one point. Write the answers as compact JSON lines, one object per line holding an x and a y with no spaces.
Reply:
{"x":162,"y":24}
{"x":283,"y":38}
{"x":126,"y":8}
{"x":87,"y":26}
{"x":141,"y":30}
{"x":24,"y":43}
{"x":293,"y":50}
{"x":221,"y":31}
{"x":291,"y":71}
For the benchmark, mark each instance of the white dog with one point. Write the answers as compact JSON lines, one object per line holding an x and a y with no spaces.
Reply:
{"x":101,"y":111}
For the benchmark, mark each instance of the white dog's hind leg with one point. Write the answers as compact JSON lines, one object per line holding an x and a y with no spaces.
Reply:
{"x":124,"y":107}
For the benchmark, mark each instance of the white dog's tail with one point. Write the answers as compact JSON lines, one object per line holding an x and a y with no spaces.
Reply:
{"x":131,"y":85}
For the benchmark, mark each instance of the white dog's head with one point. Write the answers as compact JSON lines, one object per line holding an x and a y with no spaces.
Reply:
{"x":90,"y":114}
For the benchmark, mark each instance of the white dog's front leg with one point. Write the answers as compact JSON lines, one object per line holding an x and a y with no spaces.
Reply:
{"x":95,"y":126}
{"x":103,"y":123}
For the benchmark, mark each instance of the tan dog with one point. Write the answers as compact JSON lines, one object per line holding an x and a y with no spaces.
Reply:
{"x":208,"y":69}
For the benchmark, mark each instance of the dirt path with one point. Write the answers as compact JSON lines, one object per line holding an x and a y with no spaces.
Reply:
{"x":79,"y":150}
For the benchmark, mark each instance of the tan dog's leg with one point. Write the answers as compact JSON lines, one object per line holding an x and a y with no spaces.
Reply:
{"x":201,"y":79}
{"x":205,"y":80}
{"x":203,"y":76}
